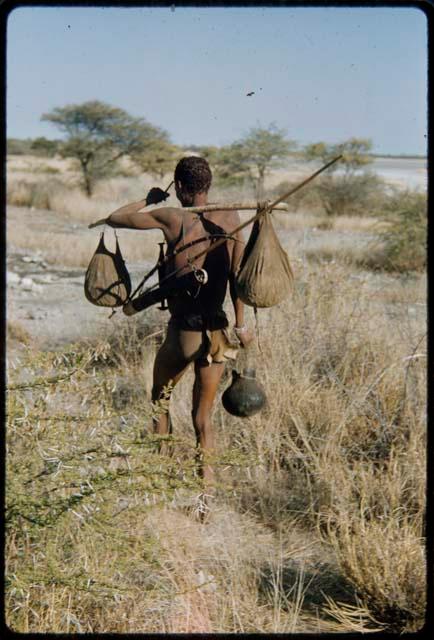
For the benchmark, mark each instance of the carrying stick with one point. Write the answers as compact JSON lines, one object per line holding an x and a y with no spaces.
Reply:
{"x":260,"y":213}
{"x":267,"y":209}
{"x":240,"y":206}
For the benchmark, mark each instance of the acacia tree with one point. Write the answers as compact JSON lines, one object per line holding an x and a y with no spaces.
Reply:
{"x":158,"y":158}
{"x":98,"y":135}
{"x":346,"y":187}
{"x":254,"y":155}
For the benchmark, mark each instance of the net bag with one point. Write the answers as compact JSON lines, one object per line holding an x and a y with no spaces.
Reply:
{"x":264,"y":277}
{"x":107,"y":282}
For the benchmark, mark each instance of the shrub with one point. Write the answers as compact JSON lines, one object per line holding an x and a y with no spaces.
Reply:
{"x":305,"y":198}
{"x":40,"y":195}
{"x":404,"y":233}
{"x":348,"y":194}
{"x":44,"y":148}
{"x":18,"y":147}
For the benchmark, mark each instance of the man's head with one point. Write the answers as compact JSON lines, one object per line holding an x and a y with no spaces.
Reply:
{"x":192,"y":176}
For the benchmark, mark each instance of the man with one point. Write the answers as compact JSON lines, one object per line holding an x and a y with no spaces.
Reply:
{"x":197,"y":327}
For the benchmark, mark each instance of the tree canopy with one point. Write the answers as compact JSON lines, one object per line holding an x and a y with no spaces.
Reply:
{"x":98,"y":135}
{"x":255,"y":154}
{"x":159,"y":157}
{"x":355,"y":152}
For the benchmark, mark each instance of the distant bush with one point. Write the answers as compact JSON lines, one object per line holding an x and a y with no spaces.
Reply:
{"x":403,"y":236}
{"x":337,"y":195}
{"x":32,"y":146}
{"x":45,"y":148}
{"x":347,"y":188}
{"x":47,"y":169}
{"x":16,"y":147}
{"x":345,"y":194}
{"x":39,"y":195}
{"x":305,"y":198}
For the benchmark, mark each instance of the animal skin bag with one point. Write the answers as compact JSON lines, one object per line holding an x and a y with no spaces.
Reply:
{"x":107,"y":282}
{"x":264,"y":277}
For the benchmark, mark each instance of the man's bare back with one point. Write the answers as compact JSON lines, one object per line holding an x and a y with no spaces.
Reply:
{"x":181,"y":228}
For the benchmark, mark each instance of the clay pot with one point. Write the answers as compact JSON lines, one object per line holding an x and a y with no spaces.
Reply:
{"x":245,"y":396}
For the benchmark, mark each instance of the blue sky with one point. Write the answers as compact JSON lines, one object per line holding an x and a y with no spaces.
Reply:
{"x":319,"y":73}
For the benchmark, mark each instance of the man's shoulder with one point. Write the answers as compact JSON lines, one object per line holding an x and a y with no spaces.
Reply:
{"x":167,"y":214}
{"x":227,"y":217}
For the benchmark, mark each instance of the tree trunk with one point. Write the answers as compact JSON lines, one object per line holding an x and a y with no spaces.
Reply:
{"x":260,"y":185}
{"x":88,"y":186}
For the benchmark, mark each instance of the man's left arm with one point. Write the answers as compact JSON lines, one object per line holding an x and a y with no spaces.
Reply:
{"x":242,"y":331}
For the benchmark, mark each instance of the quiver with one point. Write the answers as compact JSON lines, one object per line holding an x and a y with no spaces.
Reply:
{"x":107,"y":282}
{"x":264,"y":277}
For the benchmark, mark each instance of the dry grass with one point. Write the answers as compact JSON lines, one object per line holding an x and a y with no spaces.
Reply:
{"x":17,"y":332}
{"x":319,"y":519}
{"x":315,"y":495}
{"x":306,"y":219}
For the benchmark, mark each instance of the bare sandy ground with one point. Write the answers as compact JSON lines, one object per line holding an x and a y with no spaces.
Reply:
{"x":48,"y":300}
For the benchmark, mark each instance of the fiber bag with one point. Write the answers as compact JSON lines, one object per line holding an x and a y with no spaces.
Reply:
{"x":264,"y":277}
{"x":107,"y":282}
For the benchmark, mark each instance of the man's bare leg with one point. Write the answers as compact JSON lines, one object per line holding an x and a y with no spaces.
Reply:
{"x":169,"y":368}
{"x":207,"y":378}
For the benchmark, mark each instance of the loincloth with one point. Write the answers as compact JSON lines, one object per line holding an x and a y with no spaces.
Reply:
{"x":200,"y":339}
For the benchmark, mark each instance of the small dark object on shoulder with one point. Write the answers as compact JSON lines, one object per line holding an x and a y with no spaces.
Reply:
{"x":245,"y":396}
{"x":156,"y":195}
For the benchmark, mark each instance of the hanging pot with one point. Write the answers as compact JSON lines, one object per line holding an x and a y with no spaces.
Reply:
{"x":245,"y":396}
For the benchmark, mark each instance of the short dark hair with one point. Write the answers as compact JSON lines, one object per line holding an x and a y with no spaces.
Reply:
{"x":194,"y":173}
